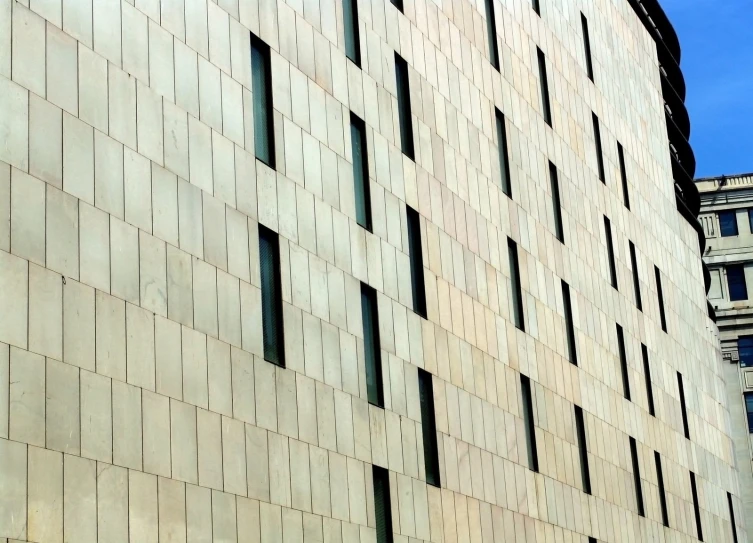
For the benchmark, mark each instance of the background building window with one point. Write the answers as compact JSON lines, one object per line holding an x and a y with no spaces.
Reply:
{"x":749,"y":410}
{"x":382,"y":505}
{"x":736,"y":283}
{"x":750,"y":219}
{"x":360,"y":172}
{"x":728,"y":223}
{"x":271,"y":296}
{"x":745,"y":351}
{"x":352,"y":41}
{"x":261,"y":83}
{"x":371,"y":346}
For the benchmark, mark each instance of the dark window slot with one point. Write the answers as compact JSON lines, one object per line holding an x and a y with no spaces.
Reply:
{"x":556,"y":202}
{"x":372,"y":350}
{"x":647,"y":376}
{"x":361,"y":187}
{"x":738,"y":288}
{"x":504,"y":159}
{"x":732,"y":517}
{"x":580,"y":426}
{"x":597,"y":143}
{"x":403,"y":107}
{"x":610,"y":252}
{"x":636,"y":280}
{"x":623,"y":363}
{"x":261,"y":86}
{"x":528,"y":423}
{"x":517,"y":294}
{"x":662,"y":492}
{"x":569,"y":326}
{"x":428,"y":427}
{"x":352,"y":39}
{"x":382,"y":504}
{"x":491,"y":30}
{"x":660,"y":295}
{"x":544,"y":82}
{"x":416,"y":261}
{"x":587,"y":47}
{"x":271,"y":296}
{"x":637,"y":477}
{"x":623,"y":175}
{"x":683,"y":406}
{"x":696,"y":507}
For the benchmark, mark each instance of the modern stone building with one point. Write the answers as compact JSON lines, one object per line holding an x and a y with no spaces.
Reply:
{"x":353,"y":271}
{"x":727,"y":215}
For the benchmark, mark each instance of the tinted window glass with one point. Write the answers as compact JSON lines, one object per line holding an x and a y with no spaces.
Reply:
{"x":736,"y":282}
{"x":728,"y":223}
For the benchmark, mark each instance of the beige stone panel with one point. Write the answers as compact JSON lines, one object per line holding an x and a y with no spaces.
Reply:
{"x":161,"y":68}
{"x":172,"y":510}
{"x":111,"y":336}
{"x":195,"y":386}
{"x":109,"y":189}
{"x":14,"y":124}
{"x":137,"y":182}
{"x":150,"y":124}
{"x":223,"y":168}
{"x":45,"y":141}
{"x":45,"y":499}
{"x":209,"y":432}
{"x":219,"y":37}
{"x":200,"y":155}
{"x":248,"y":520}
{"x":92,"y":84}
{"x":127,"y":425}
{"x":149,"y":7}
{"x":190,"y":219}
{"x":62,"y":70}
{"x":338,"y":478}
{"x":122,"y":100}
{"x":306,"y":401}
{"x":62,"y":232}
{"x":63,"y":401}
{"x":78,"y":325}
{"x":229,"y":308}
{"x":27,"y":397}
{"x":197,"y":33}
{"x":94,"y":257}
{"x":257,"y":454}
{"x":244,"y":401}
{"x":234,"y":456}
{"x":224,"y":518}
{"x":112,"y":503}
{"x":107,"y":30}
{"x":238,"y":244}
{"x":173,"y":18}
{"x":5,"y":207}
{"x":176,"y":140}
{"x":28,"y":50}
{"x":13,"y":499}
{"x":215,"y":236}
{"x":186,"y":78}
{"x":135,"y":43}
{"x":96,"y":417}
{"x":124,"y":259}
{"x":78,"y":159}
{"x":14,"y":282}
{"x":183,"y":442}
{"x":153,"y":274}
{"x":79,"y":500}
{"x":165,"y":205}
{"x":210,"y":95}
{"x":168,"y":371}
{"x":179,"y":286}
{"x":27,"y":220}
{"x":198,"y":514}
{"x":4,"y":389}
{"x":219,"y":377}
{"x":142,"y":507}
{"x":205,"y":297}
{"x":140,"y":347}
{"x":246,"y":185}
{"x":251,"y":323}
{"x":77,"y":20}
{"x":266,"y":394}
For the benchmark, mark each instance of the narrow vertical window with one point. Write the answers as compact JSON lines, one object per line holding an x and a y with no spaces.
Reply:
{"x":271,"y":296}
{"x":745,"y":351}
{"x":580,"y":428}
{"x":556,"y":203}
{"x":637,"y":477}
{"x":504,"y":161}
{"x":738,"y":289}
{"x":636,"y":280}
{"x":610,"y":252}
{"x":728,"y":223}
{"x":360,"y":172}
{"x":662,"y":492}
{"x":372,"y":352}
{"x":696,"y":507}
{"x":382,"y":506}
{"x":749,"y":409}
{"x":403,"y":107}
{"x":428,"y":427}
{"x":352,"y":39}
{"x":398,"y":4}
{"x":491,"y":30}
{"x":660,"y":296}
{"x":592,"y":540}
{"x":416,"y":261}
{"x":261,"y":87}
{"x":533,"y":456}
{"x":732,"y":517}
{"x":569,"y":326}
{"x":517,"y":294}
{"x":623,"y":363}
{"x":544,"y":82}
{"x":536,"y":7}
{"x":623,"y":175}
{"x":647,"y":376}
{"x":597,"y":143}
{"x":587,"y":47}
{"x":683,"y":406}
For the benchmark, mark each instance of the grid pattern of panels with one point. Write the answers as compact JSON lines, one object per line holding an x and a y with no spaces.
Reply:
{"x":144,"y":144}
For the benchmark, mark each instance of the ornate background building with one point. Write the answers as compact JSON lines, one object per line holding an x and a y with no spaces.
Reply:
{"x":726,"y":213}
{"x":353,"y":271}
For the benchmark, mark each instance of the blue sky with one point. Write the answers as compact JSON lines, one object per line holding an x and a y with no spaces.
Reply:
{"x":716,"y":37}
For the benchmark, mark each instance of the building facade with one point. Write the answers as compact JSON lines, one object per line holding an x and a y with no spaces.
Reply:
{"x":353,"y":271}
{"x":727,"y":215}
